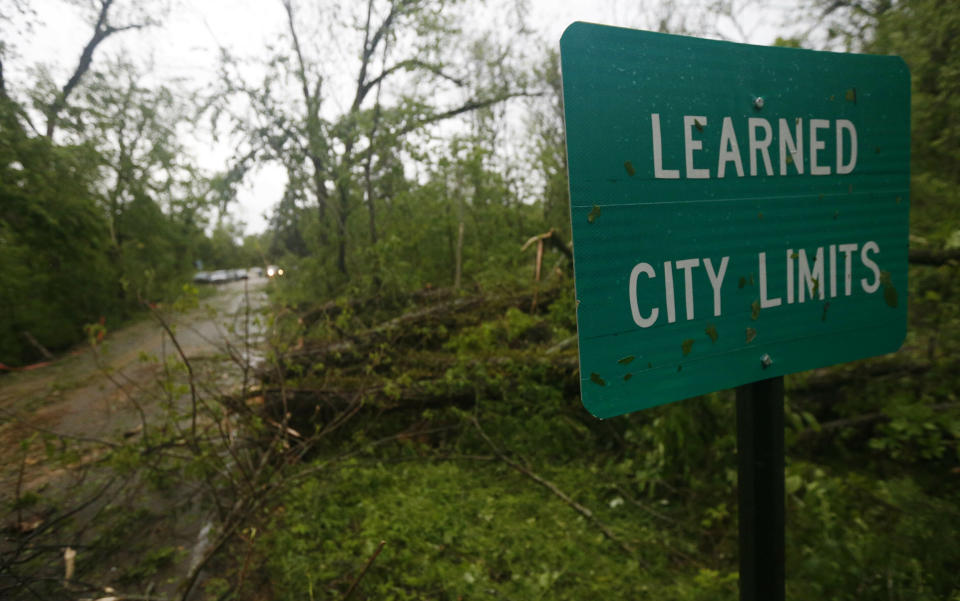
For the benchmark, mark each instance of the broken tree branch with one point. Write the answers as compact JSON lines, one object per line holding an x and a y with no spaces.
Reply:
{"x":363,"y":572}
{"x":865,"y":419}
{"x":585,"y":512}
{"x":934,"y":258}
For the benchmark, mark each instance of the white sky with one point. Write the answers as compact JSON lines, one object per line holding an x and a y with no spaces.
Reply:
{"x":186,"y":45}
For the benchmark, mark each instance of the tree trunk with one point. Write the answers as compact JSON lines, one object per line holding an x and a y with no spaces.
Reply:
{"x":321,"y":192}
{"x":342,"y":229}
{"x":36,"y":344}
{"x":934,"y":258}
{"x":459,"y":258}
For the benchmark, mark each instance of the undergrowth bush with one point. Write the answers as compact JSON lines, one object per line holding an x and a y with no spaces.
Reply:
{"x":486,"y":478}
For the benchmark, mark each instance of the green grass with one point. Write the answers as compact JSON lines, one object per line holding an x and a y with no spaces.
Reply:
{"x":471,"y":528}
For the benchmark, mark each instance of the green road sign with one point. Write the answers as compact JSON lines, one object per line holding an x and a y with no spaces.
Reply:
{"x":739,"y":212}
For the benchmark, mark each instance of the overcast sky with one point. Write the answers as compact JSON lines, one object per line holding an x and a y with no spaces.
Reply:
{"x":186,"y":46}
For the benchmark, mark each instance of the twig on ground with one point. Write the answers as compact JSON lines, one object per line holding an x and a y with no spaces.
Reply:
{"x":863,"y":420}
{"x":363,"y":572}
{"x":190,"y":375}
{"x":585,"y":512}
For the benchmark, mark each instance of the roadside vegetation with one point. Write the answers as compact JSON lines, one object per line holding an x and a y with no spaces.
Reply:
{"x":402,"y":419}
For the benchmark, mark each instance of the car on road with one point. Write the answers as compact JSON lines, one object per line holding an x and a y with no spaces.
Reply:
{"x":219,"y":276}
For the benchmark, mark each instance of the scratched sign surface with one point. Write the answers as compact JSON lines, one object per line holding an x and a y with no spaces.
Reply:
{"x":739,"y":212}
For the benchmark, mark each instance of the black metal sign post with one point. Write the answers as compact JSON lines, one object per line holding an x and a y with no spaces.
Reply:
{"x":760,"y":461}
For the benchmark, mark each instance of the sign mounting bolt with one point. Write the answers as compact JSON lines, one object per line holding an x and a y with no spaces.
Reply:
{"x":766,"y":361}
{"x":758,"y":102}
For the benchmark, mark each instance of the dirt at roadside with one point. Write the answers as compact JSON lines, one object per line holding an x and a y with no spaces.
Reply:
{"x":87,"y":394}
{"x":125,"y":533}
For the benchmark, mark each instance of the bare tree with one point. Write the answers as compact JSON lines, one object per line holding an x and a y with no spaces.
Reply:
{"x":102,"y":30}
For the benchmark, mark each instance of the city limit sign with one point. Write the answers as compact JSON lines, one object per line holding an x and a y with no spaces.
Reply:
{"x":739,"y":212}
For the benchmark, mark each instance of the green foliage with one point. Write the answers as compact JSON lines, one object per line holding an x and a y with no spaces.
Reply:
{"x":153,"y":561}
{"x":928,"y":39}
{"x":26,"y":501}
{"x":550,"y":150}
{"x":92,"y":229}
{"x":54,"y":269}
{"x":459,"y":529}
{"x":222,"y":251}
{"x":492,"y":336}
{"x":417,"y":242}
{"x":459,"y":522}
{"x":856,"y":536}
{"x":870,"y":495}
{"x":788,"y":42}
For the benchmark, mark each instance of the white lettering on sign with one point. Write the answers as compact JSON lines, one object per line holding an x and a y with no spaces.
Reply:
{"x":869,"y":264}
{"x":658,"y":170}
{"x":809,"y":280}
{"x":847,"y":250}
{"x":844,"y":125}
{"x":765,"y":301}
{"x":729,"y":150}
{"x":714,"y":275}
{"x":647,"y":270}
{"x":687,"y":266}
{"x":760,"y":144}
{"x":689,"y":144}
{"x":793,"y":144}
{"x":793,"y":148}
{"x":817,"y":145}
{"x":716,"y":280}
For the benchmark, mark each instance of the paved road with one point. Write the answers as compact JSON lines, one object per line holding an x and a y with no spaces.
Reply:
{"x":88,"y":394}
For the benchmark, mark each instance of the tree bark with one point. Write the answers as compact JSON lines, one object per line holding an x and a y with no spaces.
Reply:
{"x":934,"y":258}
{"x":368,"y":166}
{"x":459,"y":258}
{"x":311,"y":100}
{"x":3,"y":84}
{"x":36,"y":344}
{"x":342,"y":229}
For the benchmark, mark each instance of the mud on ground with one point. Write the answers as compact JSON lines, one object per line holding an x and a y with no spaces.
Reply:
{"x":57,"y":422}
